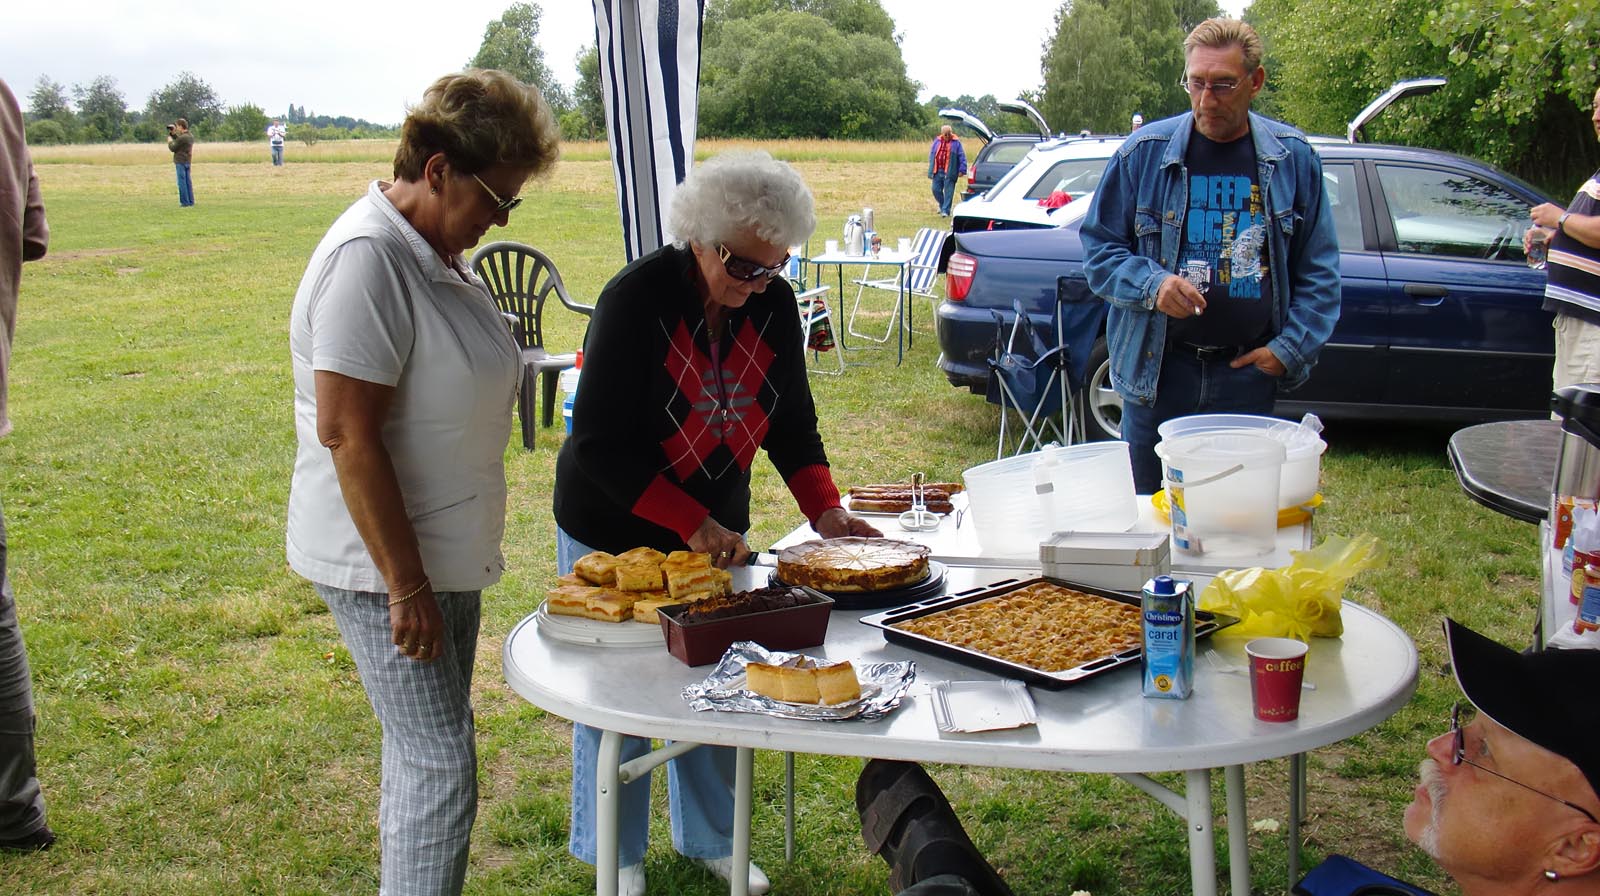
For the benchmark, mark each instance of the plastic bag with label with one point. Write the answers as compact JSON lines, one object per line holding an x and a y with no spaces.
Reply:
{"x":1301,"y":600}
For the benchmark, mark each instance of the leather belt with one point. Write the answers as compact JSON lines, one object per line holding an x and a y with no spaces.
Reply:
{"x":1209,"y":352}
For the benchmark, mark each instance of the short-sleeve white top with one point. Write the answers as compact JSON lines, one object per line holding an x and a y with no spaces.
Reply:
{"x":378,"y":304}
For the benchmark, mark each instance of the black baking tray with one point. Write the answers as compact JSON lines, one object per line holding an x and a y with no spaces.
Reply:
{"x":1205,"y":624}
{"x":932,"y":586}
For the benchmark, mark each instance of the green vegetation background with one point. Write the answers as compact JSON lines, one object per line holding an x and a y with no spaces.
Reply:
{"x":201,"y":727}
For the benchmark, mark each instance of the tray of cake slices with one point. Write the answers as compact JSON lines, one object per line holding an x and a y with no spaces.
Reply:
{"x":1041,"y":630}
{"x":751,"y":678}
{"x":614,"y":599}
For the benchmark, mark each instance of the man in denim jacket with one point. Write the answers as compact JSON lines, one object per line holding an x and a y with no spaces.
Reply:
{"x":1211,"y":238}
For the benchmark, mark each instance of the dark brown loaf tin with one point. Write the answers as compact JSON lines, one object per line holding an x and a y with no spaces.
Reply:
{"x":793,"y":628}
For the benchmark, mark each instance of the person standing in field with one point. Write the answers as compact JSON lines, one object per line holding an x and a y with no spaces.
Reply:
{"x":24,"y":236}
{"x":947,"y":161}
{"x":181,"y":143}
{"x":275,"y":134}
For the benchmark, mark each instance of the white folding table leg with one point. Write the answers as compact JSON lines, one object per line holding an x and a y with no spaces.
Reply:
{"x":743,"y":779}
{"x":788,"y":807}
{"x":1238,"y":831}
{"x":1202,"y":836}
{"x":607,"y":803}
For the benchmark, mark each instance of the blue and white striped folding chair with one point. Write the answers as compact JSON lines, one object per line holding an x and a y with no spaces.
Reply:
{"x":916,"y":278}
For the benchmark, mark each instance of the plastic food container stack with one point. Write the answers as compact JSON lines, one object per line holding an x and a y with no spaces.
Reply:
{"x":1302,"y":468}
{"x":1119,"y":561}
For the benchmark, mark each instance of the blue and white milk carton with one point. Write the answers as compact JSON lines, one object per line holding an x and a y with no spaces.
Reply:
{"x":1167,"y":617}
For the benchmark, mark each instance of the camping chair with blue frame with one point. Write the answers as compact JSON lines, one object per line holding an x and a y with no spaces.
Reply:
{"x":1035,"y":373}
{"x":915,"y":279}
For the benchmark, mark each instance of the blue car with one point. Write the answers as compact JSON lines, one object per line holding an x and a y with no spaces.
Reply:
{"x":1441,"y":316}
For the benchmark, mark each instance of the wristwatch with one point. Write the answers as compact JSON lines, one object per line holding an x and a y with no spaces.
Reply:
{"x":1561,"y":222}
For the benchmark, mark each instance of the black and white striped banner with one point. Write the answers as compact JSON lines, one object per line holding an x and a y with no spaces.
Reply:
{"x":650,"y":75}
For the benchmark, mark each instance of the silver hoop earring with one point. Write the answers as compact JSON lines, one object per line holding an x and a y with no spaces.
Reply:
{"x":1551,"y":875}
{"x":433,"y":191}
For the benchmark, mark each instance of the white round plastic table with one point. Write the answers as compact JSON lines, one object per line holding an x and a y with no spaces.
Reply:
{"x":1099,"y":725}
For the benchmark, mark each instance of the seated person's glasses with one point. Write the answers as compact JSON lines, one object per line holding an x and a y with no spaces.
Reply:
{"x":500,"y":205}
{"x":746,"y":270}
{"x":1458,"y":755}
{"x":1197,"y":86}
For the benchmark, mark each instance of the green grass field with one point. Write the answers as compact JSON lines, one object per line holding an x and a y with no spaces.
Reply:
{"x":201,"y":727}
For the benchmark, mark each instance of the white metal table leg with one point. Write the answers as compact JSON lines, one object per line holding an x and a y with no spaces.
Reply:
{"x":743,"y":780}
{"x":608,"y":800}
{"x":788,"y":807}
{"x":1238,"y":831}
{"x":1202,"y":836}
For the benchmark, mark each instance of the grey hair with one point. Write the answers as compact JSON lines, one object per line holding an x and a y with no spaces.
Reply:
{"x":742,"y":192}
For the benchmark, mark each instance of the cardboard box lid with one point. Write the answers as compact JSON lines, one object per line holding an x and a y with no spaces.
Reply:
{"x":1107,"y":548}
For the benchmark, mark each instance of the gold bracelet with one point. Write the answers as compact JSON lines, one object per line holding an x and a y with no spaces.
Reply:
{"x":413,"y":593}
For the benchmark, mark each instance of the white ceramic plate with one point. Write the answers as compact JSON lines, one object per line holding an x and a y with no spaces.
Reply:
{"x":577,"y":630}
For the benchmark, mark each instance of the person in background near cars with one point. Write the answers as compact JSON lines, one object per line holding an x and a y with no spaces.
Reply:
{"x":24,"y":236}
{"x":1138,"y":122}
{"x":404,"y":378}
{"x":275,"y":134}
{"x":1211,"y":239}
{"x":1507,"y":802}
{"x":947,"y":162}
{"x":181,"y":143}
{"x":1573,"y":267}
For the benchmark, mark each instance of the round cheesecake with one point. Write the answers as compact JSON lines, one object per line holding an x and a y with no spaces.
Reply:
{"x":853,"y":564}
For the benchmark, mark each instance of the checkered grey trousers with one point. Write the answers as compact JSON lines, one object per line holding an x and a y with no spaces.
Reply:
{"x":429,"y":795}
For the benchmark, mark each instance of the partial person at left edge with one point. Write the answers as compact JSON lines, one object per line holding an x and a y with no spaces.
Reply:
{"x":404,"y":378}
{"x":24,"y":236}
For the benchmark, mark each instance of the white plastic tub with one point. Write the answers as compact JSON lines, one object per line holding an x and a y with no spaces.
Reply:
{"x":1223,"y":490}
{"x":1302,"y":468}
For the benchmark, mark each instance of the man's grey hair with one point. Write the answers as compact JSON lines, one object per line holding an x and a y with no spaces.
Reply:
{"x":1221,"y":33}
{"x":738,"y":193}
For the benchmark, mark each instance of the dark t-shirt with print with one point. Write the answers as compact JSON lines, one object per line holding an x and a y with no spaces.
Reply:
{"x":1224,"y":246}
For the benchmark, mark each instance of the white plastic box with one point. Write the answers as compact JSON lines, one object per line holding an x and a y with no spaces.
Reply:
{"x":1118,"y":561}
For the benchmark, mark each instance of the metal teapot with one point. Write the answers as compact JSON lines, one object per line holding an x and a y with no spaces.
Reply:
{"x":854,"y":236}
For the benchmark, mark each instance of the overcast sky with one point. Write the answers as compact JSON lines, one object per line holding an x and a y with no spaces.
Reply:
{"x":368,"y":59}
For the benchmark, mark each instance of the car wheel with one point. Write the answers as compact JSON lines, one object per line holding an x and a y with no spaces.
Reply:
{"x":1101,"y":403}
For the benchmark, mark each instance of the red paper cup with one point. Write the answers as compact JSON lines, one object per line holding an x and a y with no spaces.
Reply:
{"x":1277,"y":666}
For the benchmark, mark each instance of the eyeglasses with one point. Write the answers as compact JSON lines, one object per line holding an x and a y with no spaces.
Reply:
{"x":500,"y":205}
{"x":1458,"y":755}
{"x":1219,"y":89}
{"x":746,"y":270}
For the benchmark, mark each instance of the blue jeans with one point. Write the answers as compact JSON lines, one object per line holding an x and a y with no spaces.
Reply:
{"x":944,"y":190}
{"x":277,"y":153}
{"x":185,"y":185}
{"x":1189,"y":386}
{"x":699,"y":784}
{"x":21,"y":802}
{"x":429,"y":790}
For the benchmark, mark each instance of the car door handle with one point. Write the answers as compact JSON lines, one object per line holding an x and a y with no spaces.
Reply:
{"x":1426,"y":291}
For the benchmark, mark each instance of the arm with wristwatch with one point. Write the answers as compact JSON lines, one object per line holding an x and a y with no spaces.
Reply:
{"x":1583,"y":228}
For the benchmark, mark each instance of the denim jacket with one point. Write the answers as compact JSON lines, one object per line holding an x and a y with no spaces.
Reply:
{"x":1134,"y":228}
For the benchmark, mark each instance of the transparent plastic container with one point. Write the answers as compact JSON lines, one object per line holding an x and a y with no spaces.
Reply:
{"x":1302,"y":468}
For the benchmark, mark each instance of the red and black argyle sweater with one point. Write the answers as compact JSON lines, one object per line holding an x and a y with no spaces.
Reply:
{"x":659,"y":439}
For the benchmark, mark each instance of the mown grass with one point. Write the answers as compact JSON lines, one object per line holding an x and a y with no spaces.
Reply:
{"x":201,"y":728}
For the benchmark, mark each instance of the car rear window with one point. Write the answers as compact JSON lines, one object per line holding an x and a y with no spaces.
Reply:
{"x":1008,"y":153}
{"x":1074,"y":177}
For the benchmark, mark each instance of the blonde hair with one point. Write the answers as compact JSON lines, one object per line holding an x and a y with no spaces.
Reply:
{"x":478,"y":118}
{"x":1221,"y":33}
{"x":742,"y":192}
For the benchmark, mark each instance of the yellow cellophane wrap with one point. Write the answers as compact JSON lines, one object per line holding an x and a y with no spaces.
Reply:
{"x":1301,"y":600}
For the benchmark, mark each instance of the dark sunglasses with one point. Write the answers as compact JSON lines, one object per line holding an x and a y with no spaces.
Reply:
{"x":500,"y":205}
{"x":1458,"y":755}
{"x":745,"y":269}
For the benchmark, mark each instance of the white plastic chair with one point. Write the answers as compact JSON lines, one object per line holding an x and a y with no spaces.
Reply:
{"x":917,"y":278}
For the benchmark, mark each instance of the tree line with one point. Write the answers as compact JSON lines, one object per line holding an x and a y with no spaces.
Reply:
{"x":1521,"y":76}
